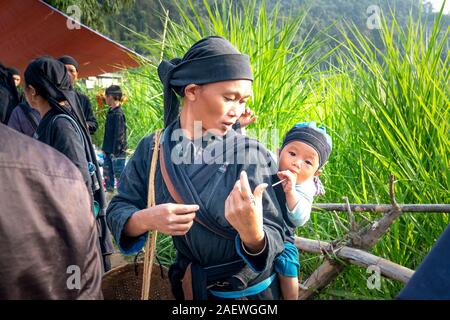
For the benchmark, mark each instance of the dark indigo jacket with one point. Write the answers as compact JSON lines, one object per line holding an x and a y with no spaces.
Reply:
{"x":201,"y":245}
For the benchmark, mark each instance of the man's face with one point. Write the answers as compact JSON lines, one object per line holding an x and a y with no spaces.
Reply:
{"x":219,"y":105}
{"x":16,"y":79}
{"x":73,"y":73}
{"x":299,"y":158}
{"x":109,"y":99}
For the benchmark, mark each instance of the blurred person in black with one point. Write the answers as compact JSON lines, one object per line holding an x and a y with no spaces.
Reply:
{"x":115,"y":138}
{"x":72,"y":67}
{"x":431,"y":280}
{"x":9,"y":96}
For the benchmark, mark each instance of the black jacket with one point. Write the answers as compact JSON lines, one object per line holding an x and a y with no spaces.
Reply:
{"x":64,"y":137}
{"x":115,"y":138}
{"x":86,"y":108}
{"x":431,"y":281}
{"x":200,"y":244}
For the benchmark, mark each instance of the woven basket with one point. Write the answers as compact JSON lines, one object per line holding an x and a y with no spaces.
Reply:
{"x":125,"y":283}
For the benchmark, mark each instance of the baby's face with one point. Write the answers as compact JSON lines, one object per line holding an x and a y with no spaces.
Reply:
{"x":299,"y":158}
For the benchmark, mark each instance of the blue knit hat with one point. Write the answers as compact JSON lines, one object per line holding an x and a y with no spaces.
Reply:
{"x":314,"y":136}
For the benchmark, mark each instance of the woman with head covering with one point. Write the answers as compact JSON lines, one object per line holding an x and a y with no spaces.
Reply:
{"x":226,"y":240}
{"x":48,"y":89}
{"x":9,"y":97}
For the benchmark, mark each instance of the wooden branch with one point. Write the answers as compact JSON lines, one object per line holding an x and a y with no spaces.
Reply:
{"x":438,"y":208}
{"x":359,"y":257}
{"x":351,"y":217}
{"x":363,"y":239}
{"x":370,"y":235}
{"x":320,"y":278}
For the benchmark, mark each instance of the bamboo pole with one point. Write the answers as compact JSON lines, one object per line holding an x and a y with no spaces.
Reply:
{"x":150,"y":245}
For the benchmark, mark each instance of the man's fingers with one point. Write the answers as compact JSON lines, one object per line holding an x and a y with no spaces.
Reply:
{"x":246,"y":191}
{"x":184,"y":218}
{"x":259,"y":190}
{"x":182,"y":227}
{"x":184,"y":208}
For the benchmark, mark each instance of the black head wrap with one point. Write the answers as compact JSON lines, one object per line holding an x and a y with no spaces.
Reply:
{"x":52,"y":81}
{"x":315,"y":137}
{"x":13,"y":71}
{"x":212,"y":59}
{"x":11,"y":96}
{"x":69,"y":60}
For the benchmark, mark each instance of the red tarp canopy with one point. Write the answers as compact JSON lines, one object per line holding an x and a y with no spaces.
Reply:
{"x":31,"y":28}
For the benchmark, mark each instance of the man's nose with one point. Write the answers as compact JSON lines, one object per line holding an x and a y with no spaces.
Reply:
{"x":237,"y":109}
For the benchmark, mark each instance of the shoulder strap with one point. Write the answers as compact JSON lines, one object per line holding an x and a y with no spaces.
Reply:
{"x":150,"y":245}
{"x":173,"y":192}
{"x":64,"y":116}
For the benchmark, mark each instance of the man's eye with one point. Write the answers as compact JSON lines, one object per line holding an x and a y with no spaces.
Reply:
{"x":227,"y":99}
{"x":308,"y":162}
{"x":292,"y":153}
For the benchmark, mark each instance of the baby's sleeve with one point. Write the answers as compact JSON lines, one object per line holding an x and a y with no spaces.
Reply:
{"x":302,"y":210}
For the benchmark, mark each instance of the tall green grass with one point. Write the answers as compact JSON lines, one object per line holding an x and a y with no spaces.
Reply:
{"x":387,"y":110}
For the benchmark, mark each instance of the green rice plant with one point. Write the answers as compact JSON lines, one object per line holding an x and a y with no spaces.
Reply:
{"x":389,"y":113}
{"x":282,"y":65}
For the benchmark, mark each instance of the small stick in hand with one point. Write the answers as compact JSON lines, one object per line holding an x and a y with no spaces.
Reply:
{"x":277,"y":183}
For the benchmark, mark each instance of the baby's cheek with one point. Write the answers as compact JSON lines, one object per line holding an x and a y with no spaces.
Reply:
{"x":304,"y":175}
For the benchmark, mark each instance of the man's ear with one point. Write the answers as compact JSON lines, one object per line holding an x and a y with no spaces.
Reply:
{"x":191,"y":92}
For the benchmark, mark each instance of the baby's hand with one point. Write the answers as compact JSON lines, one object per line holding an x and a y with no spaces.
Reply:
{"x":289,"y":178}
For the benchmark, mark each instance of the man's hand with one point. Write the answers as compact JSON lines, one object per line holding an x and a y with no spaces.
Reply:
{"x":247,"y":118}
{"x":243,"y":210}
{"x":169,"y":218}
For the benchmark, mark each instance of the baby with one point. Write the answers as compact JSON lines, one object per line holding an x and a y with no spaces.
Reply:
{"x":304,"y":152}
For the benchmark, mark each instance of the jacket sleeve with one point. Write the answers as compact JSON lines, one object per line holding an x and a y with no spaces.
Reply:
{"x":91,"y":120}
{"x":132,"y":197}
